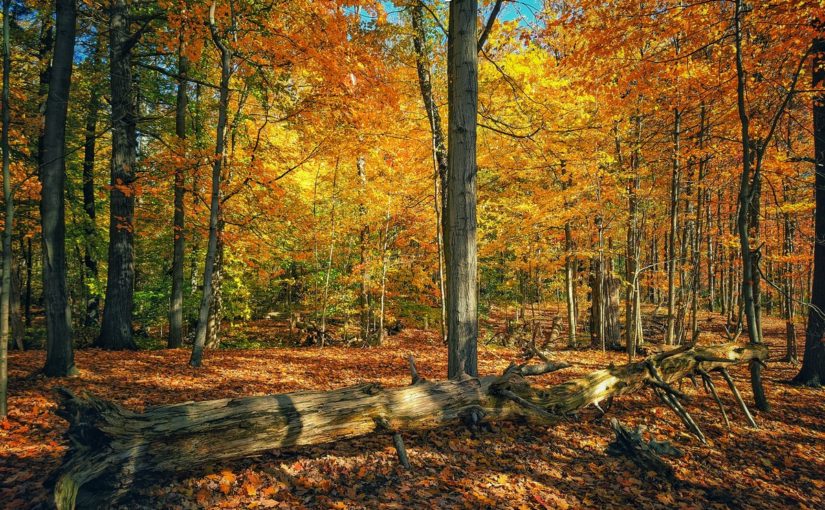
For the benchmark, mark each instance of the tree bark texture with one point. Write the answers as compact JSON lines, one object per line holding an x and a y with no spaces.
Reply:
{"x":59,"y":353}
{"x":460,"y":232}
{"x":116,"y":327}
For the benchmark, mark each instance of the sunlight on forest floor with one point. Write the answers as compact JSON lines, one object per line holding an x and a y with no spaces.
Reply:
{"x":518,"y":466}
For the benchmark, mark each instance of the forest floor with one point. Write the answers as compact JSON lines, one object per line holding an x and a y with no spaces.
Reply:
{"x":780,"y":465}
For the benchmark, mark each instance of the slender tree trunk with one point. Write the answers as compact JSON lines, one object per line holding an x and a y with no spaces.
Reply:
{"x":363,"y":242}
{"x":215,"y":204}
{"x":213,"y":324}
{"x":5,"y":297}
{"x":570,"y":285}
{"x":745,"y":203}
{"x":632,"y":246}
{"x":331,"y":253}
{"x":788,"y":305}
{"x":460,"y":232}
{"x":439,"y":149}
{"x":385,"y":242}
{"x":18,"y":330}
{"x":175,"y":339}
{"x":670,"y":337}
{"x":696,"y":244}
{"x":569,"y":263}
{"x":44,"y":59}
{"x":90,"y":231}
{"x":812,"y":372}
{"x":59,"y":353}
{"x":116,"y":327}
{"x":28,"y":296}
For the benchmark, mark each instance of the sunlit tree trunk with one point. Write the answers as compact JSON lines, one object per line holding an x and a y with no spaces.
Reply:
{"x":696,"y":254}
{"x":788,"y":304}
{"x":363,"y":240}
{"x":59,"y":353}
{"x":670,"y":335}
{"x":215,"y":203}
{"x":439,"y":149}
{"x":460,"y":232}
{"x":385,"y":262}
{"x":330,"y":256}
{"x":746,"y":197}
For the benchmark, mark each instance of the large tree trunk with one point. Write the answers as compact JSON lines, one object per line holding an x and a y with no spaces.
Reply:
{"x":176,"y":303}
{"x":116,"y":327}
{"x":460,"y":232}
{"x":812,"y":372}
{"x":113,"y":449}
{"x":59,"y":354}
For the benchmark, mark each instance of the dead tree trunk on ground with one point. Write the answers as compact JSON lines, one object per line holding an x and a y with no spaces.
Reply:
{"x":113,"y":449}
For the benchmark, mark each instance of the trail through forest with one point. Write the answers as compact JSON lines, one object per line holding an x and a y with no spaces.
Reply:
{"x":781,"y":464}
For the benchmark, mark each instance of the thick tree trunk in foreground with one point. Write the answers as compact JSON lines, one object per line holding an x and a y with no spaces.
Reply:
{"x":116,"y":327}
{"x":812,"y":372}
{"x":460,"y":232}
{"x":59,"y":354}
{"x":113,"y":449}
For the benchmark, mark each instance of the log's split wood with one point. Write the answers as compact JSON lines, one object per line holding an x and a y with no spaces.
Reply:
{"x":112,"y":449}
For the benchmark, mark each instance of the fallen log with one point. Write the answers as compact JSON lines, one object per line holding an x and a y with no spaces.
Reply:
{"x":113,"y":449}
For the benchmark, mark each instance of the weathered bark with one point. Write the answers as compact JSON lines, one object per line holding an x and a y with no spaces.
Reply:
{"x":178,"y":230}
{"x":114,"y":449}
{"x":116,"y":326}
{"x":460,"y":232}
{"x":812,"y":372}
{"x":59,"y":354}
{"x":215,"y":204}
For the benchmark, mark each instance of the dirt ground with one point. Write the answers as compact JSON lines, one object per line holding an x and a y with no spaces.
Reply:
{"x":779,"y":465}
